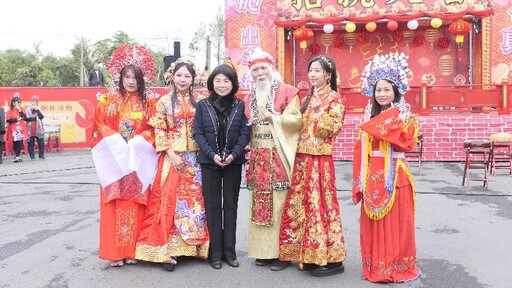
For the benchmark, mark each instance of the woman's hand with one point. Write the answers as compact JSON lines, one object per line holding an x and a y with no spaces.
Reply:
{"x":218,"y":160}
{"x":316,"y":104}
{"x":229,"y":159}
{"x":176,"y":161}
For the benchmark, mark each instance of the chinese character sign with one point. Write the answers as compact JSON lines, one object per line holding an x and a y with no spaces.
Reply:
{"x":249,"y":24}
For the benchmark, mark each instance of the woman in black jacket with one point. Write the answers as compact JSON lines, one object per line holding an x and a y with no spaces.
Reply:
{"x":221,"y":131}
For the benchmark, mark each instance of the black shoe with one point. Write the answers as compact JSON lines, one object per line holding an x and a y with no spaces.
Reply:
{"x":308,"y":267}
{"x":263,"y":262}
{"x":41,"y":157}
{"x":279,"y":265}
{"x":328,"y":270}
{"x":32,"y":158}
{"x":216,"y":264}
{"x":169,"y":266}
{"x":233,"y":262}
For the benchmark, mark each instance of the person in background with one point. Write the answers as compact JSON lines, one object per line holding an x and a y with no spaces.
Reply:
{"x":2,"y":133}
{"x":35,"y":128}
{"x":96,"y":78}
{"x":221,"y":131}
{"x":175,"y":221}
{"x":382,"y":181}
{"x":273,"y":111}
{"x":227,"y":60}
{"x":311,"y":227}
{"x":16,"y":127}
{"x":123,"y":153}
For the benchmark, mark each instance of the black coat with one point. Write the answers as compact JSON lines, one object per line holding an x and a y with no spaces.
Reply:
{"x":206,"y":129}
{"x":96,"y":80}
{"x":2,"y":125}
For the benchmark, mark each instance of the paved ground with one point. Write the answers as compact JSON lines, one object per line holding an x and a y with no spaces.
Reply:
{"x":49,"y":233}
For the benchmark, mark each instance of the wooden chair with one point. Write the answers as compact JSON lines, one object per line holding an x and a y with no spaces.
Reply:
{"x":417,"y":153}
{"x":477,"y":158}
{"x":501,"y":156}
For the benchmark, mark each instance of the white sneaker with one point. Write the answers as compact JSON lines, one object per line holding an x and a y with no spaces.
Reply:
{"x":117,"y":263}
{"x":130,"y":261}
{"x":16,"y":159}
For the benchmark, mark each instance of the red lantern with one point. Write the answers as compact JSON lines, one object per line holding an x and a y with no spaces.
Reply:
{"x":419,"y":40}
{"x":338,"y":42}
{"x":459,"y":28}
{"x":362,"y":37}
{"x":443,"y":42}
{"x":302,"y":35}
{"x":398,"y":36}
{"x":314,"y":48}
{"x":392,"y":25}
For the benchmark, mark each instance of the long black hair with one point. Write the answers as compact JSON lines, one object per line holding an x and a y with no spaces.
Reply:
{"x":376,"y":107}
{"x":139,"y":77}
{"x":174,"y":95}
{"x":330,"y":69}
{"x":15,"y":98}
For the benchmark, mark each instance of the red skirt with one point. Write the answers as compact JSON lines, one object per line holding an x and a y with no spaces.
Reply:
{"x":388,"y":245}
{"x":317,"y":238}
{"x":175,"y":219}
{"x":119,"y":227}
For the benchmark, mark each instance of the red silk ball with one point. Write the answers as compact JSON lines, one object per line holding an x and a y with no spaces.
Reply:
{"x":392,"y":25}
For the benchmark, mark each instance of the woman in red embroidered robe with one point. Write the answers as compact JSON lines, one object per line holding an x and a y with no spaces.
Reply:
{"x":311,"y":229}
{"x":383,"y":182}
{"x":125,"y":161}
{"x":16,"y":127}
{"x":175,"y":220}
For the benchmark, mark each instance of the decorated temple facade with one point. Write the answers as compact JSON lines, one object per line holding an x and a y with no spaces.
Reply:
{"x":449,"y":42}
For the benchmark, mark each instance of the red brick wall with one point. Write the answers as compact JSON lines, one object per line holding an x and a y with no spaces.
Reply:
{"x":444,"y":134}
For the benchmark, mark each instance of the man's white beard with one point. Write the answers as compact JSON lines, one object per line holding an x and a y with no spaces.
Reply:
{"x":263,"y":88}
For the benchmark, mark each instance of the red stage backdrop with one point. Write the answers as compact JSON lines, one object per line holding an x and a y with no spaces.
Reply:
{"x":433,"y":52}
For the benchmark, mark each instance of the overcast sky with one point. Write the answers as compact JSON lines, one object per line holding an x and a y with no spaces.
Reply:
{"x":57,"y":24}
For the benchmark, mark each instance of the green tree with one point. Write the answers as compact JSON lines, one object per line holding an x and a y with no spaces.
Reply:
{"x":21,"y":68}
{"x":213,"y":32}
{"x":64,"y":70}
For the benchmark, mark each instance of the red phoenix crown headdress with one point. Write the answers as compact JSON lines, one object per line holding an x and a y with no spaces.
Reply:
{"x":137,"y":55}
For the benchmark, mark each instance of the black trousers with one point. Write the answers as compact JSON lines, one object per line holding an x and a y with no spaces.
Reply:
{"x":221,"y":187}
{"x":17,"y":145}
{"x":32,"y":144}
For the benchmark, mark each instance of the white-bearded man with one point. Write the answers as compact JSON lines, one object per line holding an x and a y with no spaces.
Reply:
{"x":273,"y":111}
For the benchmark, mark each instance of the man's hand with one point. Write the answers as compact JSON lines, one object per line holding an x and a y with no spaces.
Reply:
{"x":264,"y":115}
